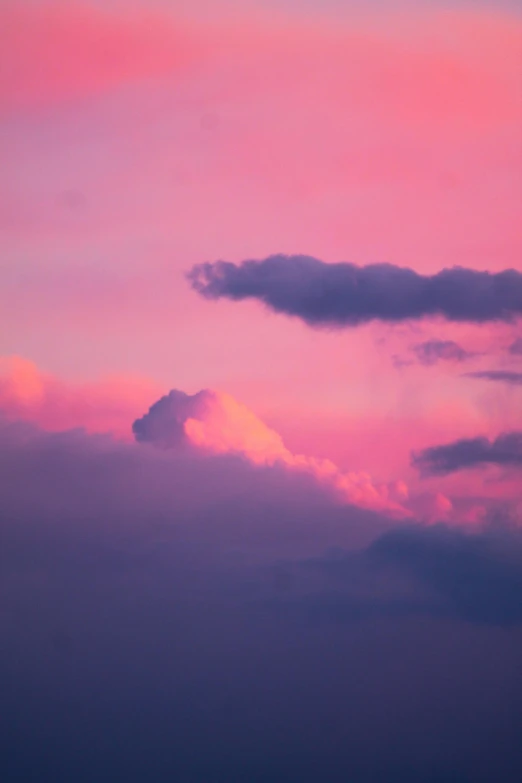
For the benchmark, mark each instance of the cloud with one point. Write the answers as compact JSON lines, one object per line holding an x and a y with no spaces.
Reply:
{"x":211,"y":420}
{"x":73,"y":478}
{"x":344,"y":295}
{"x":505,"y":451}
{"x":206,"y":423}
{"x":175,"y":612}
{"x":516,"y":347}
{"x":414,"y":571}
{"x":477,"y":577}
{"x":432,"y":351}
{"x":501,"y":376}
{"x":107,"y":405}
{"x":216,"y":423}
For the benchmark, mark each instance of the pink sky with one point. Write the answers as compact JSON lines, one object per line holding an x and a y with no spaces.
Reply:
{"x":137,"y":140}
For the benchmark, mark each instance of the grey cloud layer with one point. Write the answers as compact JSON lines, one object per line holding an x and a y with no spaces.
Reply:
{"x":505,"y":450}
{"x":344,"y":294}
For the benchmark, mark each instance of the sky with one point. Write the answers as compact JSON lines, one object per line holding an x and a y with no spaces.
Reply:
{"x":261,"y":390}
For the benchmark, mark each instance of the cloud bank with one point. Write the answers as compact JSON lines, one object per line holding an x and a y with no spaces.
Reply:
{"x":505,"y":451}
{"x":185,"y":617}
{"x":344,"y":295}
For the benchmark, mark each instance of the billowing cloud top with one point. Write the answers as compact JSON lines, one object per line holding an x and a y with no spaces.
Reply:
{"x":211,"y":420}
{"x":344,"y":294}
{"x":215,"y":422}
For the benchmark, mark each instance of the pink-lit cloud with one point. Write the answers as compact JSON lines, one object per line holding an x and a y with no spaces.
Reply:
{"x":217,"y":423}
{"x":361,"y":462}
{"x":210,"y":422}
{"x":28,"y":394}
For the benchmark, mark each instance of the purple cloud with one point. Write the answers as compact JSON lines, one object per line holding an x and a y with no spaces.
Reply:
{"x":433,"y":351}
{"x":505,"y":450}
{"x":500,"y":376}
{"x":164,"y":423}
{"x":516,"y":347}
{"x":435,"y":570}
{"x":343,"y":294}
{"x":168,"y":616}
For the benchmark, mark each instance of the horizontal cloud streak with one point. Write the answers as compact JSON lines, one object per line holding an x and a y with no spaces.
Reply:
{"x":343,"y":294}
{"x":505,"y":450}
{"x":502,"y":376}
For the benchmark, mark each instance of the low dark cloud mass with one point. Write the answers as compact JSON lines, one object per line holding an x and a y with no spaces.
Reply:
{"x":434,"y":351}
{"x":500,"y":376}
{"x":174,"y":617}
{"x":505,"y":450}
{"x":478,"y":577}
{"x":414,"y":571}
{"x":344,"y":294}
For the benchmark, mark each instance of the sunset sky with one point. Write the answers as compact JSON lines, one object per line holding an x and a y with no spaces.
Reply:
{"x":261,"y":301}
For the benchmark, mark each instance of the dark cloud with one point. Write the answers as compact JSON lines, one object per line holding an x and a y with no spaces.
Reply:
{"x":478,"y":577}
{"x":501,"y":376}
{"x":344,"y":294}
{"x":164,"y":422}
{"x":505,"y":450}
{"x":158,"y":624}
{"x":516,"y":347}
{"x":408,"y":571}
{"x":433,"y":351}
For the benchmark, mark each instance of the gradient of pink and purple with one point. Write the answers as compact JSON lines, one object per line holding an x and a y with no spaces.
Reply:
{"x":138,"y":139}
{"x":236,"y":546}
